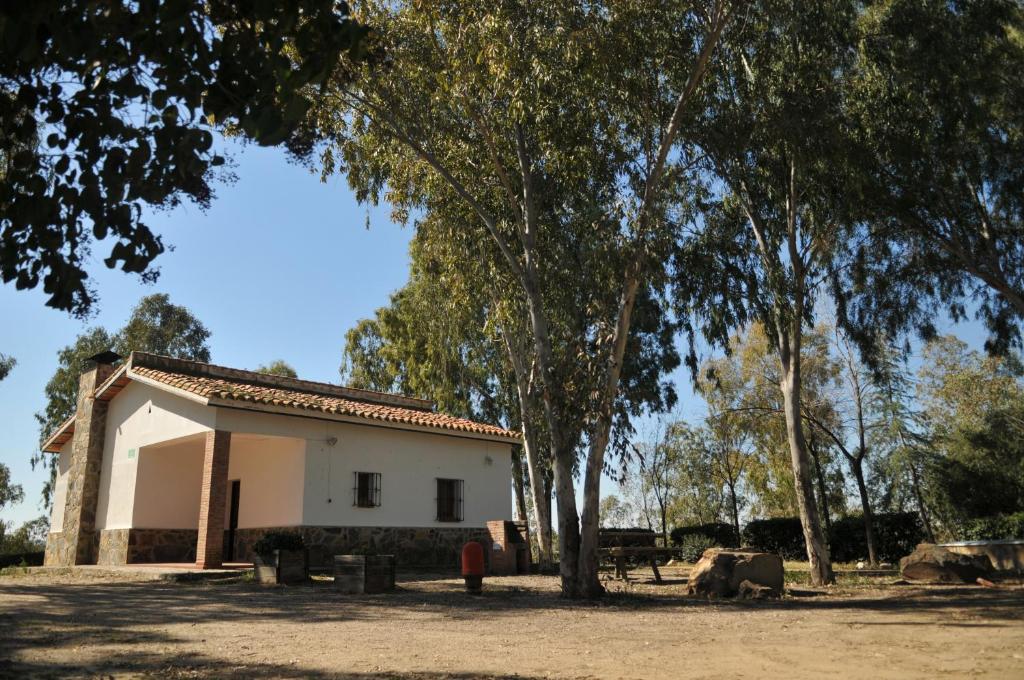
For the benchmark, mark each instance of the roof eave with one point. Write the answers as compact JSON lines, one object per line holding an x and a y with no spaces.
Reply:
{"x":359,"y":420}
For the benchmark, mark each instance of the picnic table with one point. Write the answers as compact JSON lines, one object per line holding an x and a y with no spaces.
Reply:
{"x":651,"y":553}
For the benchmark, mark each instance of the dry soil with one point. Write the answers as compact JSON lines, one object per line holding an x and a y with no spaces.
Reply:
{"x":81,"y":626}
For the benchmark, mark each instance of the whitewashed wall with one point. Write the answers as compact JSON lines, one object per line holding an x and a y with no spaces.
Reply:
{"x":139,"y":416}
{"x":271,"y":473}
{"x":60,"y":487}
{"x":409,"y":462}
{"x":168,"y":483}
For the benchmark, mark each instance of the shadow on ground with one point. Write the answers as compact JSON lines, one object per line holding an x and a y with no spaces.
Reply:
{"x":129,"y":616}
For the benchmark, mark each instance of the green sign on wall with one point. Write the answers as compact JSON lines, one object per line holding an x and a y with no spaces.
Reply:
{"x":131,"y":453}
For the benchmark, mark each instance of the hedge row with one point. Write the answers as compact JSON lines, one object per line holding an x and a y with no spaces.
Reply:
{"x":723,"y":535}
{"x":993,"y":528}
{"x":896,"y":534}
{"x":29,"y":559}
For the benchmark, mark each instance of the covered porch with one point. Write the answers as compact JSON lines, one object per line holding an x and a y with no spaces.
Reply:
{"x":195,"y":496}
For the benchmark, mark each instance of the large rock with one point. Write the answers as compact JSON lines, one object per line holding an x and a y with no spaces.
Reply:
{"x":935,"y":564}
{"x":720,"y":573}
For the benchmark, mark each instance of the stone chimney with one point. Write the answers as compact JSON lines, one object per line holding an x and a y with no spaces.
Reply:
{"x":77,"y":543}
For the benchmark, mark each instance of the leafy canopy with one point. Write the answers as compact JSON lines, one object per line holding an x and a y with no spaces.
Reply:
{"x":109,"y":107}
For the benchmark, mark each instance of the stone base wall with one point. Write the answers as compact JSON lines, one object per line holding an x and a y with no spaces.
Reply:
{"x":162,"y":545}
{"x":439,"y":547}
{"x":56,"y":550}
{"x":113,"y":547}
{"x":141,"y":546}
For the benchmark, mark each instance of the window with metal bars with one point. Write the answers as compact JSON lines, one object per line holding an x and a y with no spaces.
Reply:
{"x":366,"y":490}
{"x":449,"y":500}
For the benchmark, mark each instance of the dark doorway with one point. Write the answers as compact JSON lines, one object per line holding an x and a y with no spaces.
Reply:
{"x":233,"y":518}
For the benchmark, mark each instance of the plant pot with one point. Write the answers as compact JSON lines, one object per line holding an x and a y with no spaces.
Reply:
{"x":284,"y":566}
{"x":357,"y":574}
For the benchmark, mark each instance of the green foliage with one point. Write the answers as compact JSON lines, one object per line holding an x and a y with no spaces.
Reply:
{"x":614,"y":512}
{"x":783,"y":536}
{"x":278,"y":367}
{"x":994,"y":528}
{"x":693,"y":546}
{"x":937,"y":101}
{"x":9,"y":493}
{"x":278,"y":540}
{"x":113,"y":107}
{"x":29,"y":538}
{"x":6,"y":364}
{"x":721,"y":535}
{"x":155,"y":325}
{"x":896,"y":536}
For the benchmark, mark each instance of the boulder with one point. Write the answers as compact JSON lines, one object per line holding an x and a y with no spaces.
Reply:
{"x":755,"y":591}
{"x":935,"y":564}
{"x":721,"y":572}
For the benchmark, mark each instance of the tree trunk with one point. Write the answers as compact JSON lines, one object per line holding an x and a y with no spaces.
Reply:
{"x":822,"y":489}
{"x":519,"y":484}
{"x":817,"y":550}
{"x":540,"y":491}
{"x":568,"y":523}
{"x":869,"y":519}
{"x":540,"y":494}
{"x":920,"y":502}
{"x":735,"y":512}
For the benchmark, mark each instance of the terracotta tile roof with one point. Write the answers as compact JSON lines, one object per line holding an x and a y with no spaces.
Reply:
{"x":234,"y":390}
{"x":217,"y":384}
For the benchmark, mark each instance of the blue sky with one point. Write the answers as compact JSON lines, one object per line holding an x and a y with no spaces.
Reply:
{"x":280,"y":267}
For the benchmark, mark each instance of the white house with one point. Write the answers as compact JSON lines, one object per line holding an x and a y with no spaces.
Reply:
{"x":178,"y":461}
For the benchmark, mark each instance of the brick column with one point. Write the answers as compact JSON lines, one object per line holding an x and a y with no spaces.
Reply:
{"x":75,"y":544}
{"x":213,"y":499}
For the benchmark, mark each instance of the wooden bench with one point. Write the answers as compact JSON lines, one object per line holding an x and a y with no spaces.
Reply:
{"x":651,"y":553}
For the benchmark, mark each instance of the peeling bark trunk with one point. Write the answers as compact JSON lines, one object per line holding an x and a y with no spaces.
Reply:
{"x":817,"y":550}
{"x":735,"y":512}
{"x":920,"y":503}
{"x":568,"y":523}
{"x":869,"y":519}
{"x":518,"y":484}
{"x":822,"y":489}
{"x":540,"y":494}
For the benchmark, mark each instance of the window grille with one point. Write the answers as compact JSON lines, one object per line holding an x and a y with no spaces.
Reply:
{"x":366,"y":490}
{"x":449,"y":500}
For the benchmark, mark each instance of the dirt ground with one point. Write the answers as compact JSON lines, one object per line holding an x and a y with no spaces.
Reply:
{"x":78,"y":626}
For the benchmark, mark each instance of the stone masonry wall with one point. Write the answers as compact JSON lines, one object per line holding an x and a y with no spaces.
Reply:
{"x":411,"y":546}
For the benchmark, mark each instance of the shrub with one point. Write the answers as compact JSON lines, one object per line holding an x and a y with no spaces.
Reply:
{"x":22,"y":559}
{"x":780,"y":535}
{"x":896,"y":535}
{"x":694,"y":545}
{"x":278,"y":540}
{"x":997,"y":527}
{"x":723,"y":535}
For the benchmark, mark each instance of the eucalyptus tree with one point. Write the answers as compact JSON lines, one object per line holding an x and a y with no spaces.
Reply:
{"x":559,"y":127}
{"x":445,"y":337}
{"x":774,"y":133}
{"x":938,"y":101}
{"x":109,"y":108}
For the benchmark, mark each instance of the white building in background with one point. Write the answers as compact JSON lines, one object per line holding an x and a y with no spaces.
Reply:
{"x":169,"y":460}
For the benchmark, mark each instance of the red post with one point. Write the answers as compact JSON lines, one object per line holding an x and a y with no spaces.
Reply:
{"x":473,"y":567}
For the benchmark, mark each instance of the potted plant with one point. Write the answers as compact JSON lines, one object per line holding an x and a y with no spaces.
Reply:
{"x":280,"y":557}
